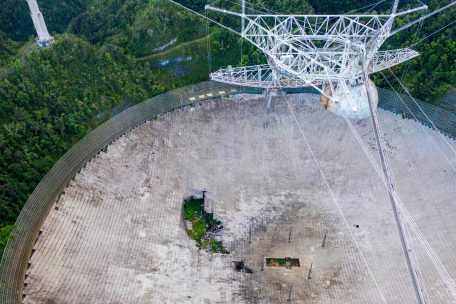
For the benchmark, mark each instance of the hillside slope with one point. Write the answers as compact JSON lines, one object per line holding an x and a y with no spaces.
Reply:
{"x":50,"y":100}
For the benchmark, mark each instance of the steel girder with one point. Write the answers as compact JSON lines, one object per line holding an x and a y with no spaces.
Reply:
{"x":268,"y":77}
{"x":311,"y":50}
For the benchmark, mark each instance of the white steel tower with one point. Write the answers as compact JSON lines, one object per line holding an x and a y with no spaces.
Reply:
{"x":327,"y":52}
{"x":44,"y":39}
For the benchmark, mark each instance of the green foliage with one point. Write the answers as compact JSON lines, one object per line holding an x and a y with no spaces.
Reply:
{"x":198,"y":230}
{"x":285,"y":6}
{"x":49,"y":101}
{"x":193,"y":208}
{"x":8,"y":49}
{"x":195,"y":213}
{"x":202,"y":223}
{"x":345,"y":6}
{"x":140,"y":27}
{"x":433,"y":73}
{"x":5,"y":235}
{"x":213,"y":246}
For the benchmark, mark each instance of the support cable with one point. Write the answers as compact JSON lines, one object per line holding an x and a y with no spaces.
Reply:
{"x":422,"y":18}
{"x":205,"y":17}
{"x":416,"y":34}
{"x":255,"y":8}
{"x":419,"y":107}
{"x":390,"y":183}
{"x":443,"y":273}
{"x":333,"y":197}
{"x":373,"y":7}
{"x":433,"y":33}
{"x":417,"y":265}
{"x":446,"y":278}
{"x":209,"y":55}
{"x":422,"y":127}
{"x":369,"y":7}
{"x":242,"y":29}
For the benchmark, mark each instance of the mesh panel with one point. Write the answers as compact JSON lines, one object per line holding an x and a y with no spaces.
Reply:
{"x":19,"y":249}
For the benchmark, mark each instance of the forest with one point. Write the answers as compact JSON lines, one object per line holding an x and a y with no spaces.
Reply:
{"x":110,"y":53}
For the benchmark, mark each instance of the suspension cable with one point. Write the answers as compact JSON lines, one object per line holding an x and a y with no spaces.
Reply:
{"x":443,"y":273}
{"x":205,"y":17}
{"x":400,"y":208}
{"x":208,"y":37}
{"x":389,"y":179}
{"x":333,"y":196}
{"x":371,"y":6}
{"x":419,"y":107}
{"x":422,"y":18}
{"x":374,"y":6}
{"x":405,"y":214}
{"x":416,"y":34}
{"x":422,"y":127}
{"x":255,"y":8}
{"x":435,"y":32}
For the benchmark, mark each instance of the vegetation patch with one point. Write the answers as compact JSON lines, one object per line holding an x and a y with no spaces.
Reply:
{"x":5,"y":235}
{"x":282,"y":262}
{"x":239,"y":266}
{"x":204,"y":226}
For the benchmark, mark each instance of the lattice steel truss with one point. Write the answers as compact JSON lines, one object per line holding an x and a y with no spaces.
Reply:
{"x":315,"y":50}
{"x":266,"y":77}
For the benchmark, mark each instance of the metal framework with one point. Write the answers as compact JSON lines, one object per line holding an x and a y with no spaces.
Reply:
{"x":315,"y":50}
{"x":333,"y":54}
{"x":266,"y":77}
{"x":44,"y":39}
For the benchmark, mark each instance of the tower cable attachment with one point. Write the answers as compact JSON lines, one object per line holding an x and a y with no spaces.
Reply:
{"x":44,"y":39}
{"x":422,"y":111}
{"x":423,"y":18}
{"x":333,"y":196}
{"x":416,"y":280}
{"x":416,"y":119}
{"x":243,"y":19}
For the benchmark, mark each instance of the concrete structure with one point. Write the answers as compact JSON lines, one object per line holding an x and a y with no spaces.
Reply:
{"x":115,"y":234}
{"x":43,"y":39}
